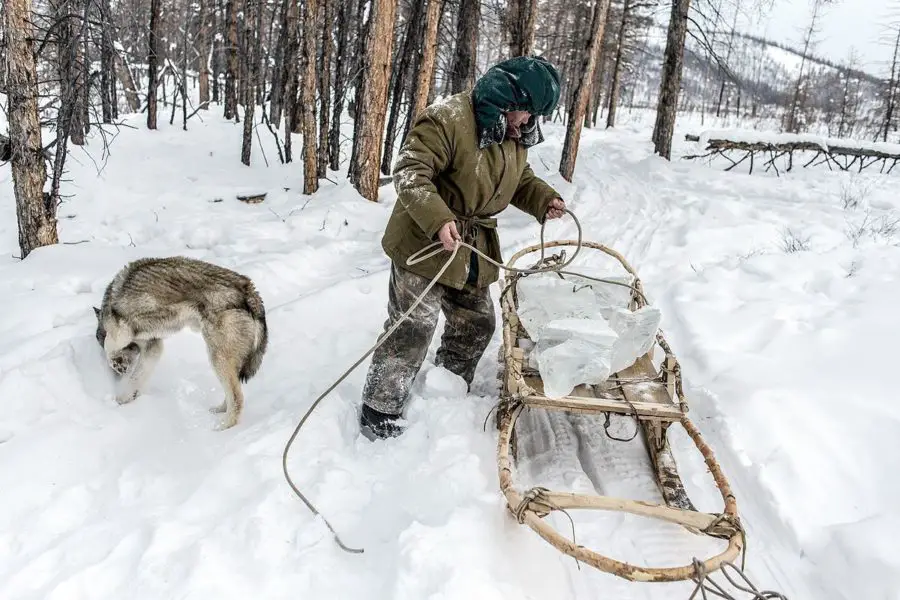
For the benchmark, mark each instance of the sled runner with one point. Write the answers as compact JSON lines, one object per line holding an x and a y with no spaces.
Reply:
{"x":649,"y":393}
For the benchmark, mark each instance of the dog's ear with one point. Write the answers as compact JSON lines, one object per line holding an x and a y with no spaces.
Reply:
{"x":96,"y":311}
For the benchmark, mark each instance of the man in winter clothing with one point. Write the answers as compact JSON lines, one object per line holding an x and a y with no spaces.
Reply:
{"x":464,"y":160}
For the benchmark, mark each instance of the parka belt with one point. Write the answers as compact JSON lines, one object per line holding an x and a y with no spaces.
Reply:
{"x":469,"y":226}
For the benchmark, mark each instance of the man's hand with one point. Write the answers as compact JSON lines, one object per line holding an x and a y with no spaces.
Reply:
{"x":556,"y":209}
{"x":449,"y":236}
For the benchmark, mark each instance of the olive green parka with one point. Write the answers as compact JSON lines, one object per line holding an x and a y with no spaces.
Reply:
{"x":447,"y":171}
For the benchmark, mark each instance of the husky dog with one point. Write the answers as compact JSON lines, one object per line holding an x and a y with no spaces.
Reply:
{"x":152,"y":298}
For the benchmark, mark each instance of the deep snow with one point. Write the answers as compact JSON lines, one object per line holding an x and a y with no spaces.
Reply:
{"x":786,"y":356}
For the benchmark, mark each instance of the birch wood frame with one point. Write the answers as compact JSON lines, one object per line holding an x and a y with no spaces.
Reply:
{"x":532,"y":506}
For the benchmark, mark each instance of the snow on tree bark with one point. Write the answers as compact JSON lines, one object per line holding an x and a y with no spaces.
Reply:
{"x":372,"y":109}
{"x":583,"y":89}
{"x":36,"y":217}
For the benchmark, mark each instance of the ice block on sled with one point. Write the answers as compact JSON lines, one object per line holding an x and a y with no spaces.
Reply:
{"x":582,"y":334}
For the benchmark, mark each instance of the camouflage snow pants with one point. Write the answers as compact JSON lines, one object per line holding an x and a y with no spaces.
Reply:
{"x":470,"y":323}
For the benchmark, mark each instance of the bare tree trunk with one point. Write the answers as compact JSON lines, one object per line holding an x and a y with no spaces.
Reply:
{"x":152,"y":63}
{"x":291,"y":77}
{"x":464,"y":61}
{"x":308,"y":64}
{"x":521,"y":18}
{"x":281,"y":67}
{"x":425,"y":72}
{"x":107,"y":66}
{"x":75,"y":76}
{"x":400,"y":76}
{"x":123,"y":72}
{"x":36,"y":217}
{"x":670,"y":82}
{"x":583,"y":89}
{"x":371,"y":112}
{"x":327,"y":48}
{"x":231,"y":64}
{"x":84,"y":96}
{"x":252,"y":20}
{"x":203,"y":51}
{"x":216,"y":51}
{"x":595,"y":98}
{"x":362,"y":27}
{"x":617,"y":68}
{"x":340,"y":82}
{"x":893,"y":85}
{"x":791,"y":124}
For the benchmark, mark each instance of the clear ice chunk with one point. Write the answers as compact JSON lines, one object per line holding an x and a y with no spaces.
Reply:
{"x":582,"y":331}
{"x":574,"y":351}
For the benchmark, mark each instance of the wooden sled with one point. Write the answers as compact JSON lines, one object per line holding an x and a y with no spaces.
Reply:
{"x":653,"y":396}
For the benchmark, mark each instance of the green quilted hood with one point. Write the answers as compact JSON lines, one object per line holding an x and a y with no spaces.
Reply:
{"x":528,"y":83}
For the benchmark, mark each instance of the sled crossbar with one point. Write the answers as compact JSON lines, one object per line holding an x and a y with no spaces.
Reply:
{"x":655,"y":398}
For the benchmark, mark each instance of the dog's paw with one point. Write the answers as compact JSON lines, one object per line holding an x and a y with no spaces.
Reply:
{"x":226,"y":423}
{"x":126,"y":397}
{"x":119,"y":365}
{"x":218,"y":410}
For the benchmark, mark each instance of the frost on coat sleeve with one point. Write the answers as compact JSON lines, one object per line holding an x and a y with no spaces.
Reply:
{"x":533,"y":195}
{"x":425,"y":153}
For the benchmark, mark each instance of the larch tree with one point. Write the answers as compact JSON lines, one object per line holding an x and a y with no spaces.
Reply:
{"x":326,"y":49}
{"x":520,"y":19}
{"x":308,"y":107}
{"x":465,"y":57}
{"x":203,"y":48}
{"x":373,"y":106}
{"x":583,"y":89}
{"x":670,"y":80}
{"x":152,"y":63}
{"x":425,"y":70}
{"x":36,"y":215}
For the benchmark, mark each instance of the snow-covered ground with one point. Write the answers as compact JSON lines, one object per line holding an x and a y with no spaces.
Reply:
{"x":786,"y":356}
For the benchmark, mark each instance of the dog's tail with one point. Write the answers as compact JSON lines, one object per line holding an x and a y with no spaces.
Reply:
{"x":258,"y":311}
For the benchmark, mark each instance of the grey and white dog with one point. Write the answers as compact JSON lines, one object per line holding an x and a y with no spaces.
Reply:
{"x":153,"y":298}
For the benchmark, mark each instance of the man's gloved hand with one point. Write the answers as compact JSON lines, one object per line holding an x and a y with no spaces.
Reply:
{"x":556,"y":209}
{"x":449,"y":236}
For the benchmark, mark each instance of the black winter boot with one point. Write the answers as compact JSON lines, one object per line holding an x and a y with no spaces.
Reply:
{"x":378,"y":425}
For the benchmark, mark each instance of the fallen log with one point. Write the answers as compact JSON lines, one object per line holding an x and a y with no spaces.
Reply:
{"x":842,"y":155}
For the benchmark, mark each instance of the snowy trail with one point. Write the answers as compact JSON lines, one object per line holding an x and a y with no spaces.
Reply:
{"x":146,"y":501}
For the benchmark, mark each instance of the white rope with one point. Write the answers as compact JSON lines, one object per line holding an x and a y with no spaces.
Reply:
{"x":422,"y":255}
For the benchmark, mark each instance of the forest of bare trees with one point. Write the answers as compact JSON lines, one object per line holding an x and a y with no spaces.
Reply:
{"x":348,"y":77}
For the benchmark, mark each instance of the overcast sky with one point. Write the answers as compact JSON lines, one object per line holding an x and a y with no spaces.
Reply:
{"x":847,"y":23}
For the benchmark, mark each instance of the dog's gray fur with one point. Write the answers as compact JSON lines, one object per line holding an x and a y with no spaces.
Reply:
{"x":152,"y":298}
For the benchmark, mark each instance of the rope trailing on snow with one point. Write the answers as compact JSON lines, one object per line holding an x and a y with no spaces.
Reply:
{"x":422,"y":255}
{"x":706,"y":586}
